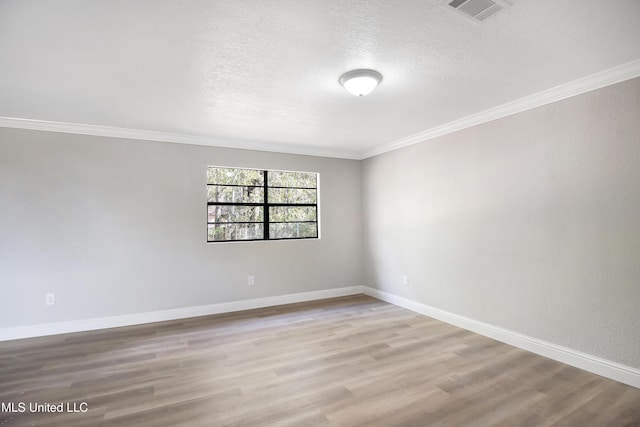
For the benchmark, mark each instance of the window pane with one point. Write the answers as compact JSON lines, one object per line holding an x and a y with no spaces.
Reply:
{"x":221,"y":232}
{"x":292,"y":179}
{"x":235,"y":213}
{"x":220,"y":193}
{"x":293,"y":230}
{"x":234,"y":176}
{"x":292,"y":213}
{"x":291,"y":195}
{"x":236,"y":203}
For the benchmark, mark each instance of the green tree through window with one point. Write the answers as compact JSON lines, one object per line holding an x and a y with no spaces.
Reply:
{"x":250,"y":204}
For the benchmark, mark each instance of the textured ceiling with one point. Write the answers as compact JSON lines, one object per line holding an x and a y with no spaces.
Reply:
{"x":267,"y":70}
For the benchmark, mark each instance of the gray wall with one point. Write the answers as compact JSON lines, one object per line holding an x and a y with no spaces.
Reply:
{"x":118,"y":227}
{"x":530,"y":222}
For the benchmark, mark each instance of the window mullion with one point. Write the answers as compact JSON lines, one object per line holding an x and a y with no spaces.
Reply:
{"x":265,"y":213}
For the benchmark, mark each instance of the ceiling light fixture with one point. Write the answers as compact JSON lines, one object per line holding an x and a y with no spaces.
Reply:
{"x":360,"y":82}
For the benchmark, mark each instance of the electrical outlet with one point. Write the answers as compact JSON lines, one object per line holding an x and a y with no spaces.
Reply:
{"x":50,"y":299}
{"x":251,"y":281}
{"x":405,"y":280}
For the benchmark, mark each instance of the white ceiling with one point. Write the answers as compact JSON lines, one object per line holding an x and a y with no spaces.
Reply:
{"x":264,"y":73}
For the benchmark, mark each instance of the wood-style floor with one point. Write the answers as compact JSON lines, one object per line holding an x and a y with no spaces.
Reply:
{"x":352,"y":361}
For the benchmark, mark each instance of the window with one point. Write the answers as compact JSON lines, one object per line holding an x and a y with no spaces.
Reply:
{"x":250,"y":204}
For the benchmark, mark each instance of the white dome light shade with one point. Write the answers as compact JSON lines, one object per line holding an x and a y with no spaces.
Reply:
{"x":360,"y":82}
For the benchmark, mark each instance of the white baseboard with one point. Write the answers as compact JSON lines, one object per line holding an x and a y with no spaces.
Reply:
{"x":177,"y":313}
{"x":606,"y":368}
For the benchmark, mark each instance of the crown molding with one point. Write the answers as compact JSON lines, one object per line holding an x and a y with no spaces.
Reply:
{"x":148,"y":135}
{"x":595,"y":81}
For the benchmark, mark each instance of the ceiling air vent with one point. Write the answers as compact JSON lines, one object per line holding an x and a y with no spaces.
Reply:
{"x":476,"y":10}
